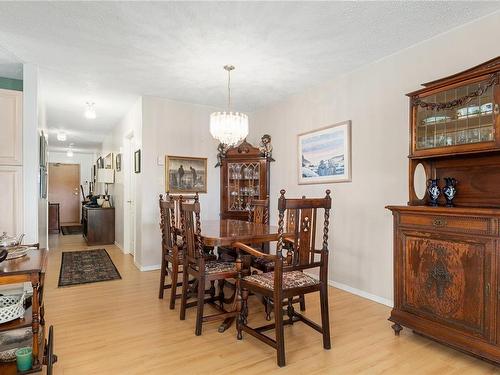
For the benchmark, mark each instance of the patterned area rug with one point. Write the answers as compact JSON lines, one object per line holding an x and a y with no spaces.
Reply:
{"x":71,"y":229}
{"x":87,"y":266}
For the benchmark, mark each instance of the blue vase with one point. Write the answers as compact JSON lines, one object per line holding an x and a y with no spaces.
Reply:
{"x":450,"y":190}
{"x":433,"y":190}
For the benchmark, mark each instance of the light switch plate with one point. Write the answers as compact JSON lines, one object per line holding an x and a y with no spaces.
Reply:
{"x":161,"y":160}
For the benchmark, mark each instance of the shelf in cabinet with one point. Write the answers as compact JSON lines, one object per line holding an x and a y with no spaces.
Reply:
{"x":18,"y":323}
{"x":244,"y":179}
{"x":10,"y":368}
{"x":458,"y":119}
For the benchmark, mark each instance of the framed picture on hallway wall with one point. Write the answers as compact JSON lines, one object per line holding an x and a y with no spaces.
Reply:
{"x":100,"y":162}
{"x":324,"y":155}
{"x":109,"y":161}
{"x":137,"y":161}
{"x":118,"y":162}
{"x":184,"y":174}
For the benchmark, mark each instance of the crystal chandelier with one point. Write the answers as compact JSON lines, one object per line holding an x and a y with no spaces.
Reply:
{"x":229,"y":128}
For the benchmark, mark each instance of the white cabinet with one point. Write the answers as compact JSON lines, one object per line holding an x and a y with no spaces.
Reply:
{"x":11,"y":124}
{"x":11,"y":199}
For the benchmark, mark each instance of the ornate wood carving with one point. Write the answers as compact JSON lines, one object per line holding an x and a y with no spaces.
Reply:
{"x":439,"y":275}
{"x":493,"y":80}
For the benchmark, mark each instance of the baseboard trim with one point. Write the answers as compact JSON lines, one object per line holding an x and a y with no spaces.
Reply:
{"x":153,"y":267}
{"x":120,"y":247}
{"x":361,"y":293}
{"x":358,"y":292}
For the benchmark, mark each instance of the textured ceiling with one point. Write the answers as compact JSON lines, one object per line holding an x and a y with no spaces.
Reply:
{"x":112,"y":52}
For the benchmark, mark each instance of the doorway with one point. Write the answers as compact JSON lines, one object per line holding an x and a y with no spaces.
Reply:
{"x":64,"y":188}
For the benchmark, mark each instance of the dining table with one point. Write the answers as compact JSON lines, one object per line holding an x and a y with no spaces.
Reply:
{"x":225,"y":232}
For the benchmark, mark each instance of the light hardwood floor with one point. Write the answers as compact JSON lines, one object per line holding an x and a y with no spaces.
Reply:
{"x":121,"y":327}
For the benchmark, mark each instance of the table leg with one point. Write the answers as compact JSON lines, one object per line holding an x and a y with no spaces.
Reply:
{"x":237,"y":298}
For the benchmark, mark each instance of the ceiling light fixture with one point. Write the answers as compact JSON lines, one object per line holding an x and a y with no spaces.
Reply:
{"x":90,"y":111}
{"x":69,"y":153}
{"x":61,"y":136}
{"x":229,"y":128}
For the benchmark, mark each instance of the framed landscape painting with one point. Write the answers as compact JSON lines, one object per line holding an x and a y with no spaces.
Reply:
{"x":324,"y":155}
{"x":185,"y":174}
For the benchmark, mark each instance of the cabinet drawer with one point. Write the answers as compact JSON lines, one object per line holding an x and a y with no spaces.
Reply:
{"x":459,"y":224}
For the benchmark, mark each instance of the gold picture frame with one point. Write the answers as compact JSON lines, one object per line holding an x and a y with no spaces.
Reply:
{"x":185,"y":174}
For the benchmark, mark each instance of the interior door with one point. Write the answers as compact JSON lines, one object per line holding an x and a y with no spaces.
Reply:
{"x":64,"y":188}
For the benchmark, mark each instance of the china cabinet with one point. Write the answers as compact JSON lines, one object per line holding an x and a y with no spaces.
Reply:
{"x":244,"y":176}
{"x":447,"y":259}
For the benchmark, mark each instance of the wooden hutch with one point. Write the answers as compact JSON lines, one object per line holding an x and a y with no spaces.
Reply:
{"x":244,"y":176}
{"x":447,"y":259}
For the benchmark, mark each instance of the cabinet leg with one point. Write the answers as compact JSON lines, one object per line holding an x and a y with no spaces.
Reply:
{"x":397,"y":328}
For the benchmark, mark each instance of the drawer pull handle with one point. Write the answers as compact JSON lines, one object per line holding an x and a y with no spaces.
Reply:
{"x":438,"y":222}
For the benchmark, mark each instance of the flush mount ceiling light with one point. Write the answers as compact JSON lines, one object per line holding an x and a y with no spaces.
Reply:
{"x":229,"y":127}
{"x":69,"y":153}
{"x":61,"y":136}
{"x":90,"y":111}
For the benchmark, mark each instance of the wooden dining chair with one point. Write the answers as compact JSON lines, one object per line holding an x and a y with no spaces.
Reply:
{"x":201,"y":269}
{"x":171,"y":251}
{"x":171,"y":243}
{"x":266,"y":265}
{"x":288,"y":279}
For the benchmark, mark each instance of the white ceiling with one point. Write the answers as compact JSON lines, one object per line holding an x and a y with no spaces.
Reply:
{"x":112,"y":52}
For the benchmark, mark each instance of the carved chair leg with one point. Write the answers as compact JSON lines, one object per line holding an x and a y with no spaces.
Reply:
{"x":325,"y":315}
{"x":173,"y":291}
{"x":163,"y":274}
{"x":185,"y":286}
{"x":302,"y":301}
{"x":397,"y":328}
{"x":212,"y":290}
{"x":242,"y":316}
{"x":280,"y":333}
{"x":290,"y":310}
{"x":268,"y":307}
{"x":221,"y":293}
{"x":200,"y":304}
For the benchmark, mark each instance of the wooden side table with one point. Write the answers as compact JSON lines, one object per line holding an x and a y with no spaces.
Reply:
{"x":30,"y":268}
{"x":99,"y":225}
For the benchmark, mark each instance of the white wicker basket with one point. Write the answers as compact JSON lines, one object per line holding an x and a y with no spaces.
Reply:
{"x":11,"y":307}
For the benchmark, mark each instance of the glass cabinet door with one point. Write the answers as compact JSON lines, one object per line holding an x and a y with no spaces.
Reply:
{"x":243,"y":184}
{"x":465,"y":121}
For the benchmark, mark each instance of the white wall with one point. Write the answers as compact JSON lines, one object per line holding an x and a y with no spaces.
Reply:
{"x":34,"y":226}
{"x":115,"y":143}
{"x":43,"y":207}
{"x":172,"y":128}
{"x":373,"y":97}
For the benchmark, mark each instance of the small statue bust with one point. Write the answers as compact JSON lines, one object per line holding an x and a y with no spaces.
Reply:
{"x":221,"y":154}
{"x":265,"y":147}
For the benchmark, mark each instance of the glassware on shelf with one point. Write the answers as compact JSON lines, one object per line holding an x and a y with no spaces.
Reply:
{"x":237,"y":171}
{"x":468,"y":123}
